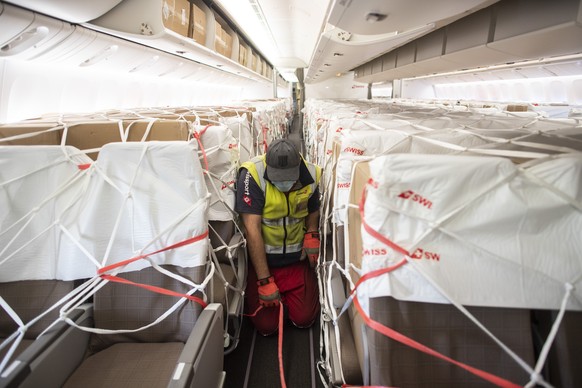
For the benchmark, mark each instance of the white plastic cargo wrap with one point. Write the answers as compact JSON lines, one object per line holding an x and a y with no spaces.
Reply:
{"x":356,"y":145}
{"x":147,"y":197}
{"x":41,"y":188}
{"x":479,"y":231}
{"x":68,"y":216}
{"x":453,"y":128}
{"x":241,"y":130}
{"x":220,"y":150}
{"x":269,"y":122}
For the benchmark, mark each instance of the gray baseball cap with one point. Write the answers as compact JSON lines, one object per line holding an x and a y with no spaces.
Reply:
{"x":283,"y":161}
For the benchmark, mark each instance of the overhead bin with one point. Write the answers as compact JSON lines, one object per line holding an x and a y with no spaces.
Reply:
{"x":467,"y":42}
{"x":507,"y":32}
{"x":347,"y":15}
{"x":535,"y":29}
{"x":189,"y":30}
{"x":361,"y":31}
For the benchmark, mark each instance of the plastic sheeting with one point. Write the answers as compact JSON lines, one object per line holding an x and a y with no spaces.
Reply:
{"x":241,"y":130}
{"x":38,"y":186}
{"x":135,"y":199}
{"x":221,"y":151}
{"x":480,"y":231}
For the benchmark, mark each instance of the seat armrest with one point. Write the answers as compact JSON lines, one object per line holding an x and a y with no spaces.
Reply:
{"x":240,"y":256}
{"x":201,"y":362}
{"x":24,"y":368}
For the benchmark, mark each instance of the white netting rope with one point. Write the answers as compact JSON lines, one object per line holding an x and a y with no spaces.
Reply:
{"x":82,"y":293}
{"x":540,"y":156}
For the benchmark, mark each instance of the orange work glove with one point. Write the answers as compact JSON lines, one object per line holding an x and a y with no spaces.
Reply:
{"x":311,"y":247}
{"x":268,"y":292}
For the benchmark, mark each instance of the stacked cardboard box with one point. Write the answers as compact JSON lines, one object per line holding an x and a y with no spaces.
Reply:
{"x":242,"y":55}
{"x":176,"y":15}
{"x":198,"y":17}
{"x":222,"y":40}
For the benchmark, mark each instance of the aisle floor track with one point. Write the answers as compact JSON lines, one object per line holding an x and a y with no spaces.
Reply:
{"x":254,"y":362}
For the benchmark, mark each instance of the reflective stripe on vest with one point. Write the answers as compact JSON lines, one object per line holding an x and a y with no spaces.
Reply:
{"x":282,"y":221}
{"x":290,"y":248}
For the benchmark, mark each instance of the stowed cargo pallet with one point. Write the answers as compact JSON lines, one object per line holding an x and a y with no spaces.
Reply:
{"x":134,"y":212}
{"x":453,"y":227}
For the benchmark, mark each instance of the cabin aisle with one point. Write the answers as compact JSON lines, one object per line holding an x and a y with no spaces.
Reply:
{"x":254,"y":363}
{"x":296,"y":132}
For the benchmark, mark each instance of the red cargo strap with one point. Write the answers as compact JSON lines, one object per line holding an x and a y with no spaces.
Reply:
{"x":373,"y":232}
{"x":159,"y":290}
{"x":255,"y":313}
{"x":418,"y":346}
{"x":386,"y":331}
{"x":280,"y":347}
{"x":197,"y":136}
{"x":189,"y":241}
{"x":265,"y":130}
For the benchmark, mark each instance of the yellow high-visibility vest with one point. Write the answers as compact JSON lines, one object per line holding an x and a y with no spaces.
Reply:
{"x":283,"y":219}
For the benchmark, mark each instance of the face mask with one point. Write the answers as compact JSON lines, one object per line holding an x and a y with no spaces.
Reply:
{"x":284,"y":186}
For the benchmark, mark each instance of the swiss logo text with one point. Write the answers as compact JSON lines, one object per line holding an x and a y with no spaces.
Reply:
{"x":422,"y":254}
{"x":411,"y":195}
{"x":354,"y":150}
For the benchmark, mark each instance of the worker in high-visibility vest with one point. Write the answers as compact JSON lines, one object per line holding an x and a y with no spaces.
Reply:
{"x":278,"y":200}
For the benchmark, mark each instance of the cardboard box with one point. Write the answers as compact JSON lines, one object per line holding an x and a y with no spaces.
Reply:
{"x":198,"y":17}
{"x":253,"y":63}
{"x":176,"y":15}
{"x":227,"y":38}
{"x":260,"y":65}
{"x":242,"y":55}
{"x":219,"y":43}
{"x":163,"y":130}
{"x":42,"y":135}
{"x":517,"y":108}
{"x":89,"y":135}
{"x":168,"y":13}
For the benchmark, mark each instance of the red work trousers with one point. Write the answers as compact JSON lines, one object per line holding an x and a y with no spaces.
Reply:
{"x":299,"y":294}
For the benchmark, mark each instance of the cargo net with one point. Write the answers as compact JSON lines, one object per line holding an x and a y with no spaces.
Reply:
{"x":466,"y":206}
{"x":71,"y":219}
{"x":89,"y":197}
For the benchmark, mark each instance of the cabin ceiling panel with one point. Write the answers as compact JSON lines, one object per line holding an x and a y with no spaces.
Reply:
{"x":360,"y":31}
{"x":400,"y":15}
{"x":336,"y":55}
{"x":486,"y":40}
